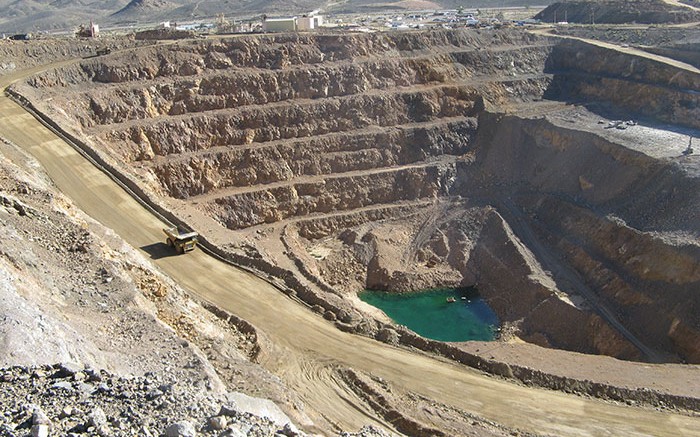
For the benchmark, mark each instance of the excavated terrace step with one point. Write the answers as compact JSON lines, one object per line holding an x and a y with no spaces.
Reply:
{"x":278,"y":51}
{"x":304,"y":103}
{"x":361,"y":150}
{"x":238,"y":191}
{"x":354,"y":216}
{"x":211,"y":108}
{"x":308,"y":118}
{"x":323,"y":140}
{"x":461,"y":56}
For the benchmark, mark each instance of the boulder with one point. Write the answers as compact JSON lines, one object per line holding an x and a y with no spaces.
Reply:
{"x":182,"y":428}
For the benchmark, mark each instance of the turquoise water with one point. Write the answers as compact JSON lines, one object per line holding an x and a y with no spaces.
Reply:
{"x":429,"y":314}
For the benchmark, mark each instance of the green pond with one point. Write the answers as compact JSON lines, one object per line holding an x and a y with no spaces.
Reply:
{"x":431,"y":314}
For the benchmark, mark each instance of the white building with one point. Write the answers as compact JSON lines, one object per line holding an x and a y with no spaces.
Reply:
{"x":292,"y":24}
{"x":280,"y":24}
{"x":306,"y":23}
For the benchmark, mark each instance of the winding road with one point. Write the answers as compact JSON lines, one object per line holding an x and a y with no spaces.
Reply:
{"x":307,"y":348}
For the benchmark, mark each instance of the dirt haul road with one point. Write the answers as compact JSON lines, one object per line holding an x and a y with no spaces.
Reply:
{"x":548,"y":31}
{"x":307,"y":348}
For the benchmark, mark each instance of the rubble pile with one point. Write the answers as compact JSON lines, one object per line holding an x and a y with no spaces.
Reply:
{"x":67,"y":399}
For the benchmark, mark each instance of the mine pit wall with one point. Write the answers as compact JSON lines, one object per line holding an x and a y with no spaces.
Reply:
{"x":248,"y":125}
{"x":578,"y":193}
{"x":587,"y":73}
{"x":289,"y":284}
{"x":330,"y":194}
{"x":219,"y":89}
{"x":242,"y":126}
{"x":325,"y":154}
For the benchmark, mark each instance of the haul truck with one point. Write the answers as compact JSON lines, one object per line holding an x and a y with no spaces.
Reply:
{"x":181,"y":242}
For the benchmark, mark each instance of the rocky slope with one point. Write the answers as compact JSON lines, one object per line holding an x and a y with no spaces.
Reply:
{"x":618,"y":12}
{"x":20,"y":55}
{"x":135,"y":350}
{"x":385,"y":161}
{"x":75,"y":400}
{"x":589,"y":74}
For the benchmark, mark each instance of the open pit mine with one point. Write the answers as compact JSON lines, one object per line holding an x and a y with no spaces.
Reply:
{"x":548,"y":174}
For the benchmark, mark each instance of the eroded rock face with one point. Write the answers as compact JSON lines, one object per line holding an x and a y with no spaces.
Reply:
{"x":637,"y":85}
{"x":386,"y":161}
{"x":626,"y":231}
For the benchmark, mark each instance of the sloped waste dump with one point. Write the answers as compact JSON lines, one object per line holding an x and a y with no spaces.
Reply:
{"x":407,"y":161}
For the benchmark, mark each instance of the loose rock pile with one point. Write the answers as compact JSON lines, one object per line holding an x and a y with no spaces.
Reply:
{"x":66,"y":399}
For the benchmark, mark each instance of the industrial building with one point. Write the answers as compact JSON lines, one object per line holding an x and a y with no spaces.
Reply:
{"x":292,"y":24}
{"x":280,"y":24}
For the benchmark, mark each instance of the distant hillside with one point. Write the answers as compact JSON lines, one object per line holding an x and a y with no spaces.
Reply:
{"x":146,"y":6}
{"x":35,"y":15}
{"x":140,"y":9}
{"x":618,"y":12}
{"x":19,"y":16}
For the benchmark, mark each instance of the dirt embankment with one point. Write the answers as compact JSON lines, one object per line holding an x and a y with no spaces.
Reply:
{"x":20,"y":55}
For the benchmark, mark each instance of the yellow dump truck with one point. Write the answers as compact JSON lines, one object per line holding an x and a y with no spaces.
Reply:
{"x":182,"y":242}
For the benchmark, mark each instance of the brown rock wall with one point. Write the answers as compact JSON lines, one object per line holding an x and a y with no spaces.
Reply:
{"x":264,"y":124}
{"x":547,"y":158}
{"x":243,"y":166}
{"x":643,"y":256}
{"x":234,"y":88}
{"x":506,"y":274}
{"x":650,"y":284}
{"x":189,"y":58}
{"x":584,"y":72}
{"x":554,"y":323}
{"x":329,"y":195}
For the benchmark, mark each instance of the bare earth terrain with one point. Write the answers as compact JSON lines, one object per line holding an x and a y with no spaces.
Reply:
{"x":548,"y":172}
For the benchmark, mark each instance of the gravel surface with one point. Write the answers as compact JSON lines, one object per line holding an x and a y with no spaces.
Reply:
{"x":68,"y":399}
